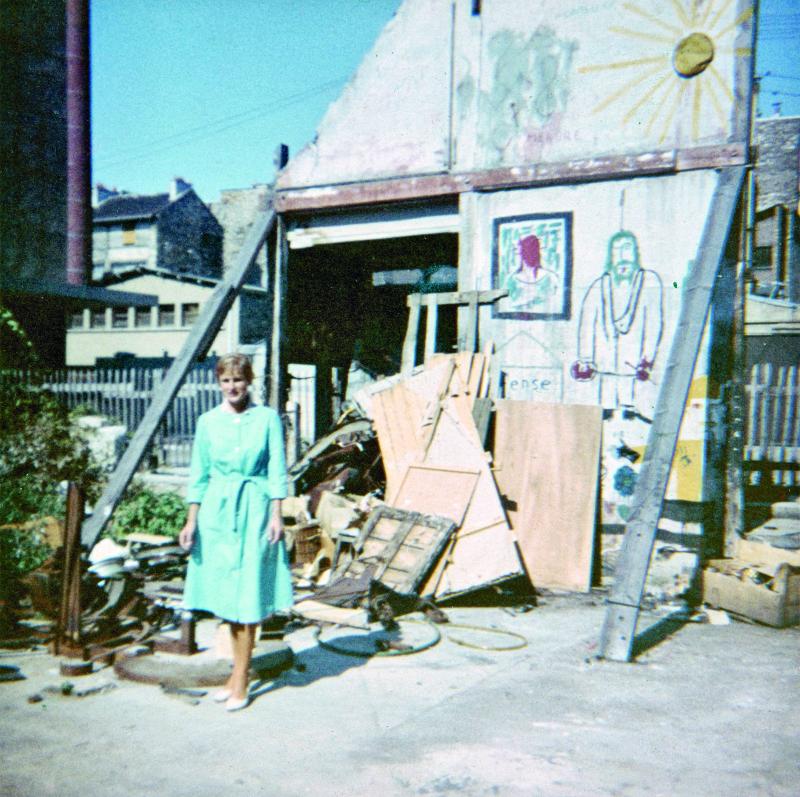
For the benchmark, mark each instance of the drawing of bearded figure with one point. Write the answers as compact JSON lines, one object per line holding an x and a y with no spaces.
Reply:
{"x":619,"y":328}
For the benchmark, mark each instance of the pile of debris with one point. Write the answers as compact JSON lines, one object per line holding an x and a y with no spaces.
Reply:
{"x":476,"y":492}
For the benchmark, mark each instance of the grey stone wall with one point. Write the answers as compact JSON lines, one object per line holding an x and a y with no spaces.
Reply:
{"x":190,"y":238}
{"x":777,"y":143}
{"x":236,"y":210}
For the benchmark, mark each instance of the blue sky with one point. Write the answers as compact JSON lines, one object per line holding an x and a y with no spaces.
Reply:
{"x":206,"y":89}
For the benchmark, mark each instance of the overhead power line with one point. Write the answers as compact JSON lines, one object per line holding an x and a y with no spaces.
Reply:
{"x":212,"y":128}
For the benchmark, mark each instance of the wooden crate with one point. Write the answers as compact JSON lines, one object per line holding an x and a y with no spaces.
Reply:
{"x":733,"y":585}
{"x":766,"y":557}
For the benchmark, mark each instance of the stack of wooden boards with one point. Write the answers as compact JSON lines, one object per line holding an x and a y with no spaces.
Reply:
{"x":534,"y":510}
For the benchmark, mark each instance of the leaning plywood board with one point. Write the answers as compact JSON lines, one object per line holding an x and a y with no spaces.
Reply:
{"x":431,"y":490}
{"x":402,"y":415}
{"x":547,"y":466}
{"x":484,"y":551}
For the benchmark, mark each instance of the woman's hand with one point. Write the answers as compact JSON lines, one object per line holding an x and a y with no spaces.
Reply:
{"x":275,"y":529}
{"x":275,"y":525}
{"x":186,"y":536}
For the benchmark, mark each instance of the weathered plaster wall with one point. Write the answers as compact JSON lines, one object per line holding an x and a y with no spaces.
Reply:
{"x":575,"y":331}
{"x":531,"y":82}
{"x":236,"y":211}
{"x":777,"y":152}
{"x":392,"y":118}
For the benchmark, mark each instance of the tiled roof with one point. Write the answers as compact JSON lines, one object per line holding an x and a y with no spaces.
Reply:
{"x":130,"y":206}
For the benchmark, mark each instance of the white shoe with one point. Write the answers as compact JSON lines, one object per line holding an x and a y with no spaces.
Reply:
{"x":221,"y":696}
{"x":234,"y":704}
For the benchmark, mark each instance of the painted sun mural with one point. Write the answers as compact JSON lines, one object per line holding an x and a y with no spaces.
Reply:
{"x":687,"y":39}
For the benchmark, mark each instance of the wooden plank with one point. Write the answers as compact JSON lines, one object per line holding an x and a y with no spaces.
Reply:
{"x":197,"y":342}
{"x":547,"y":460}
{"x":622,"y":614}
{"x":455,"y":297}
{"x":399,"y":415}
{"x":395,"y":189}
{"x":472,"y":324}
{"x":482,"y":415}
{"x":409,"y":353}
{"x":279,"y":286}
{"x":431,"y":318}
{"x":484,"y":550}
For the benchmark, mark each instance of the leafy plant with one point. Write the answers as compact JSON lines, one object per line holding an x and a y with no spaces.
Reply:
{"x":16,"y":347}
{"x":146,"y":511}
{"x":24,"y":549}
{"x":39,"y":449}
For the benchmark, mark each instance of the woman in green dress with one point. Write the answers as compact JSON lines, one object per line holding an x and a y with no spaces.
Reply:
{"x":238,"y":568}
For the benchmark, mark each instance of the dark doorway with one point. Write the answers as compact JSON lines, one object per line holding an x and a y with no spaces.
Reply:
{"x":348,"y":301}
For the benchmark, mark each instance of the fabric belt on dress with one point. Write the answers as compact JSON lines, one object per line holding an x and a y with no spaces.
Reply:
{"x":238,"y":482}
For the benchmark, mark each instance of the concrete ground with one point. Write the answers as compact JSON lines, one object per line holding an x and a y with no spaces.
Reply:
{"x":711,"y":710}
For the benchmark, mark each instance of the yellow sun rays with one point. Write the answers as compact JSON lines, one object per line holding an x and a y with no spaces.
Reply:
{"x":657,"y":93}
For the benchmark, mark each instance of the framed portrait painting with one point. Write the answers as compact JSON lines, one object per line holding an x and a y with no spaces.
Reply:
{"x":532,"y":260}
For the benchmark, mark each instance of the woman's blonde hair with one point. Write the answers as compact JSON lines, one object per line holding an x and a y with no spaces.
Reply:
{"x":235,"y":364}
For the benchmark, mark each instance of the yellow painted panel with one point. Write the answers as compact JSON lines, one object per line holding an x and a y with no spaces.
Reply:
{"x":687,"y":468}
{"x":699,"y":388}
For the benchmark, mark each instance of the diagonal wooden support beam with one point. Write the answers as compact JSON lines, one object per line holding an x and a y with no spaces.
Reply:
{"x":196,"y":345}
{"x":617,"y":636}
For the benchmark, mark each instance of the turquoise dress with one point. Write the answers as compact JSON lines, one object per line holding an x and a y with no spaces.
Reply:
{"x":238,"y":467}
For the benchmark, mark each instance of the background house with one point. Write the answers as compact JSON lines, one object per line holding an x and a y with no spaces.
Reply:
{"x":173,"y":247}
{"x":130,"y":335}
{"x":772,"y":310}
{"x":173,"y":231}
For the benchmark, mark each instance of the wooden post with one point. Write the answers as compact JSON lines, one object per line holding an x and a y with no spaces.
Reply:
{"x":431,"y":302}
{"x":622,"y":614}
{"x":199,"y":339}
{"x":409,"y":355}
{"x":68,"y":629}
{"x":279,"y":287}
{"x":735,"y":396}
{"x":431,"y":323}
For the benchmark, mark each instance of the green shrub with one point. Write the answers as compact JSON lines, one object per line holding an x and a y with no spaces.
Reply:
{"x":38,"y":450}
{"x":149,"y":512}
{"x":23,"y":550}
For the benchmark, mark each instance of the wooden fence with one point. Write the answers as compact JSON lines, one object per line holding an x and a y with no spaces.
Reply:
{"x":772,"y":426}
{"x":123,"y":395}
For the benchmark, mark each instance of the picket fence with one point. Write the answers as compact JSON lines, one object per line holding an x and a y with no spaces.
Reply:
{"x":772,"y":425}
